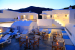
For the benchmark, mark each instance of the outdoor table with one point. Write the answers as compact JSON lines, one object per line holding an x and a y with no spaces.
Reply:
{"x":60,"y":39}
{"x":57,"y":45}
{"x":57,"y":35}
{"x":36,"y":36}
{"x":27,"y":38}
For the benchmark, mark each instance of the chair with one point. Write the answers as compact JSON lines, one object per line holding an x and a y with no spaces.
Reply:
{"x":38,"y":33}
{"x":33,"y":31}
{"x":57,"y":47}
{"x":4,"y":39}
{"x":34,"y":42}
{"x":54,"y":38}
{"x":14,"y":33}
{"x":23,"y":40}
{"x":45,"y":36}
{"x":17,"y":36}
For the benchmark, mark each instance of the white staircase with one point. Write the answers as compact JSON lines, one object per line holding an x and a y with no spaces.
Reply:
{"x":56,"y":23}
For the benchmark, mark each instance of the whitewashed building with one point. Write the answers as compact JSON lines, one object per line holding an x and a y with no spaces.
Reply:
{"x":7,"y":15}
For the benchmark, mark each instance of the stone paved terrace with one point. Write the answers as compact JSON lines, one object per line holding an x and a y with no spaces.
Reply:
{"x":14,"y":45}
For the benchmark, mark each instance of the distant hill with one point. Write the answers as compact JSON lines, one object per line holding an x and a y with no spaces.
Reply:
{"x":73,"y":7}
{"x":32,"y":9}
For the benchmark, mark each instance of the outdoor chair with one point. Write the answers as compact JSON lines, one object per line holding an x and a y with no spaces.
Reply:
{"x":6,"y":38}
{"x":14,"y":33}
{"x":34,"y":42}
{"x":45,"y":36}
{"x":23,"y":41}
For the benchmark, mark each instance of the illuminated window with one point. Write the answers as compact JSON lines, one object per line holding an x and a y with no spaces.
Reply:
{"x":31,"y":16}
{"x":21,"y":16}
{"x":24,"y":16}
{"x":48,"y":16}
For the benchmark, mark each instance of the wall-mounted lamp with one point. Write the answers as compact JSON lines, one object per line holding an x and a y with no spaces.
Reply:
{"x":0,"y":30}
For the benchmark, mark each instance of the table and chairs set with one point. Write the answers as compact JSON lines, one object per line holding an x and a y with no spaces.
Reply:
{"x":33,"y":40}
{"x":58,"y":41}
{"x":29,"y":41}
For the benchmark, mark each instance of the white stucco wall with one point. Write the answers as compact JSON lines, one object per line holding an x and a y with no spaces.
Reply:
{"x":60,"y":16}
{"x":47,"y":22}
{"x":44,"y":22}
{"x":48,"y":13}
{"x":35,"y":15}
{"x":71,"y":28}
{"x":8,"y":14}
{"x":72,"y":16}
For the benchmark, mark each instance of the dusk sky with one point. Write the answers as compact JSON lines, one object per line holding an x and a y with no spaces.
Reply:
{"x":17,"y":4}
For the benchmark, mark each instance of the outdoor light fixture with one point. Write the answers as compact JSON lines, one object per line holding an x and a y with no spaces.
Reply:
{"x":0,"y":30}
{"x":26,"y":37}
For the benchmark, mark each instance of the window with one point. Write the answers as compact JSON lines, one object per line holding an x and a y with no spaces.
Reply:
{"x":65,"y":15}
{"x":51,"y":16}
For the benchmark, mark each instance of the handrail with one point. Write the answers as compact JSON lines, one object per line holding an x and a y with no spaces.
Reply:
{"x":68,"y":31}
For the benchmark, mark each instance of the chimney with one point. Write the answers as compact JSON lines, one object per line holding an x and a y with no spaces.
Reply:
{"x":70,"y":7}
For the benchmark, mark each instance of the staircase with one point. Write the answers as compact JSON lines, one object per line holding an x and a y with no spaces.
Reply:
{"x":56,"y":23}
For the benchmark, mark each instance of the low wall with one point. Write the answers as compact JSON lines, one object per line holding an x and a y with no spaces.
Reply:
{"x":70,"y":29}
{"x":47,"y":22}
{"x":44,"y":22}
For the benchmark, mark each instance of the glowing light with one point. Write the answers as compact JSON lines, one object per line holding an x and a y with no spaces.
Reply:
{"x":48,"y":15}
{"x":31,"y":16}
{"x":26,"y":37}
{"x":53,"y":25}
{"x":0,"y":30}
{"x":49,"y":35}
{"x":1,"y":35}
{"x":57,"y":43}
{"x":24,"y":16}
